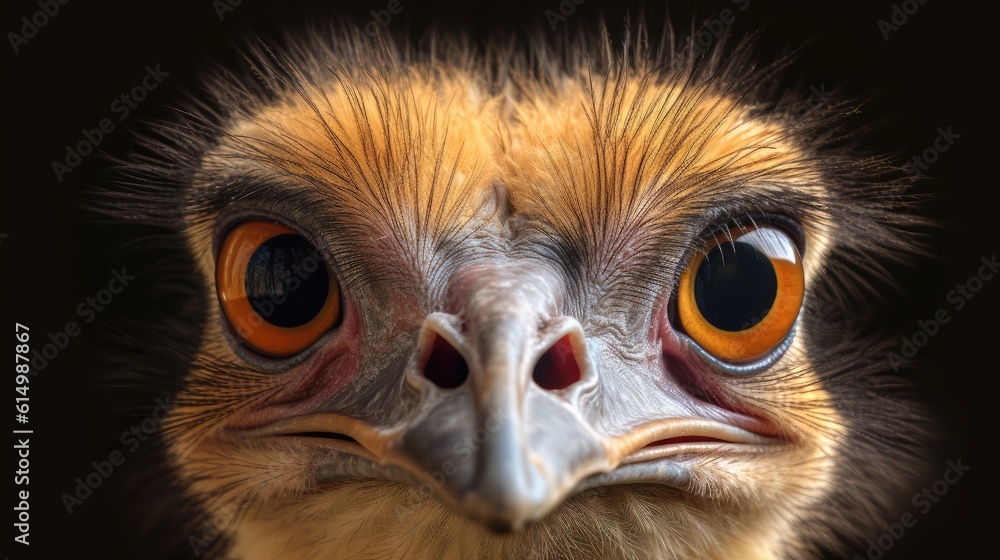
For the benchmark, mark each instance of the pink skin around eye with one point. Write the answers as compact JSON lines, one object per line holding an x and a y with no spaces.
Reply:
{"x":316,"y":379}
{"x":690,"y":371}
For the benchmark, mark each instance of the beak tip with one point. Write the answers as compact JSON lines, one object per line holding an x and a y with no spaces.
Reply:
{"x":503,"y":526}
{"x":503,"y":513}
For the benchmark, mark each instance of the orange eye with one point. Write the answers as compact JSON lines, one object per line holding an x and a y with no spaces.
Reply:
{"x":739,"y":299}
{"x":275,"y":288}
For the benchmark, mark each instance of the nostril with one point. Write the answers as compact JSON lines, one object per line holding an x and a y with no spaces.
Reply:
{"x":445,"y":367}
{"x":557,"y":368}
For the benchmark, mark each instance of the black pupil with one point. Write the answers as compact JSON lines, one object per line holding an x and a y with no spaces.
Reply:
{"x":735,"y":286}
{"x":286,"y":281}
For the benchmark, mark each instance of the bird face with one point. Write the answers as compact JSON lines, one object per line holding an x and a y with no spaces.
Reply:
{"x":452,"y":316}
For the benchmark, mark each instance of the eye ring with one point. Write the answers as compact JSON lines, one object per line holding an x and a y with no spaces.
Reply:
{"x":262,"y":324}
{"x":728,"y":309}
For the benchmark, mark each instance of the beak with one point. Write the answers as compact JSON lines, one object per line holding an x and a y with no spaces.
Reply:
{"x":506,"y":445}
{"x":501,"y":448}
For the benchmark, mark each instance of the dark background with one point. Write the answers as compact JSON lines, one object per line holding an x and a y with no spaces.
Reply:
{"x":929,"y":74}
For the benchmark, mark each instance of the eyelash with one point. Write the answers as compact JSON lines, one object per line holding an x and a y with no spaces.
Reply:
{"x":725,"y":224}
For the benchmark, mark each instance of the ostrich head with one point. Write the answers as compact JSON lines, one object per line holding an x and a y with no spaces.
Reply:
{"x":588,"y":301}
